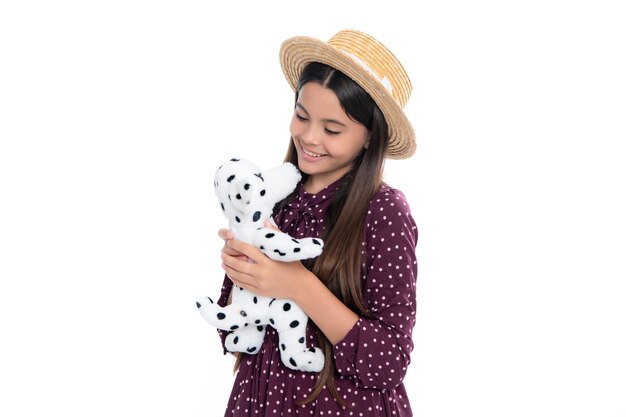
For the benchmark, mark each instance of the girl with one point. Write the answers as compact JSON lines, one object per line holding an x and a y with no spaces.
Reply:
{"x":360,"y":293}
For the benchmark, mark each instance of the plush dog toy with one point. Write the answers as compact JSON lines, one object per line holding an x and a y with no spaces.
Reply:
{"x":247,"y":197}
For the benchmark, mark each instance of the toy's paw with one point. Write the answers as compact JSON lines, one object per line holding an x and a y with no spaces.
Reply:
{"x":309,"y":360}
{"x":311,"y":247}
{"x":246,"y":339}
{"x":282,"y":247}
{"x":230,"y":317}
{"x":206,"y":306}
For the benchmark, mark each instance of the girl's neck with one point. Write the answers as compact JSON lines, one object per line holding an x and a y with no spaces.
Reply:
{"x":314,"y":183}
{"x":313,"y":187}
{"x":317,"y":182}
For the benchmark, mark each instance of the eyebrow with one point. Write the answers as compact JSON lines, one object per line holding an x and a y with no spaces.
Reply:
{"x":323,"y":120}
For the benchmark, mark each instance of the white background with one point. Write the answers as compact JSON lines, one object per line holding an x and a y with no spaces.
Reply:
{"x":114,"y":116}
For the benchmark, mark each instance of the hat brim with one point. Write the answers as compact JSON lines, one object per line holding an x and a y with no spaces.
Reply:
{"x":297,"y":52}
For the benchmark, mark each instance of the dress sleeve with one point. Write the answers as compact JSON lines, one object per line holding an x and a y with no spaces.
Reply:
{"x":376,"y":351}
{"x":223,"y":300}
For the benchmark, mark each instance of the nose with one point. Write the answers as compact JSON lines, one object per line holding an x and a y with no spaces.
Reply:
{"x":309,"y":136}
{"x":306,"y":132}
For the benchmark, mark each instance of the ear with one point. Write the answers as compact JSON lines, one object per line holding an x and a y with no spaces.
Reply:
{"x":367,"y":141}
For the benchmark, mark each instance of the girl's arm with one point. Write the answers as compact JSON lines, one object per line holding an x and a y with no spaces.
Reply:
{"x":328,"y":313}
{"x":376,"y":352}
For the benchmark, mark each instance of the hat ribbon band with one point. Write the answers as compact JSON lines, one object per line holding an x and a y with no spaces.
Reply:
{"x":384,"y":81}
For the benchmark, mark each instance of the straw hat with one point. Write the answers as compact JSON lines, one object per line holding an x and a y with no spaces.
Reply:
{"x":371,"y":65}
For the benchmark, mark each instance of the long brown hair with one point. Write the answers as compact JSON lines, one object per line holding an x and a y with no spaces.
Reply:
{"x":339,"y":266}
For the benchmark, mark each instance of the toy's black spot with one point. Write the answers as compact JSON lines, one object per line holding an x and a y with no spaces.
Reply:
{"x":222,"y":204}
{"x":221,"y":316}
{"x":238,"y":196}
{"x":301,"y":340}
{"x":255,"y":300}
{"x":291,"y":361}
{"x":243,"y":313}
{"x":296,"y":250}
{"x":238,"y":219}
{"x":235,"y":327}
{"x":198,"y":304}
{"x":210,"y":300}
{"x":246,"y":187}
{"x":257,"y":321}
{"x":282,"y":346}
{"x":234,"y":160}
{"x":317,"y":242}
{"x":259,"y":328}
{"x":257,"y":216}
{"x":312,"y":350}
{"x":240,"y":289}
{"x":273,"y":299}
{"x":294,"y":324}
{"x":235,"y":340}
{"x":287,"y":307}
{"x":279,"y":252}
{"x":272,"y":321}
{"x":269,"y":235}
{"x":262,"y":247}
{"x":232,"y":177}
{"x":295,"y":241}
{"x":260,"y":176}
{"x":220,"y":167}
{"x":262,"y":193}
{"x":250,"y":350}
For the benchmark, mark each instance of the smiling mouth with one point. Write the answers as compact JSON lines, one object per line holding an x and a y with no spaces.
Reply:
{"x":313,"y":155}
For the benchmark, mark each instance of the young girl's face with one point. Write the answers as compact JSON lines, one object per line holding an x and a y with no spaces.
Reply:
{"x":326,"y":138}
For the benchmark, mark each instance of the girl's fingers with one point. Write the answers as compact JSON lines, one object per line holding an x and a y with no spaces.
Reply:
{"x":238,"y":278}
{"x":247,"y":249}
{"x":226,"y":234}
{"x":269,"y":223}
{"x":238,"y":263}
{"x":232,"y":252}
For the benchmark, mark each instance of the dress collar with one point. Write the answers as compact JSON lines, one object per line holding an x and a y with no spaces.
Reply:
{"x":314,"y":204}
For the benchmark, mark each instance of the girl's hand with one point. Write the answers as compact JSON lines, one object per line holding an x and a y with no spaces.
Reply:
{"x":263,"y":275}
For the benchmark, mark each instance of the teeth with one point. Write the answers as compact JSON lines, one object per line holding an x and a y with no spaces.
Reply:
{"x":314,"y":155}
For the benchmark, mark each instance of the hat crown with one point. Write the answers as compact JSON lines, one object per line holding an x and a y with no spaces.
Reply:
{"x":376,"y":59}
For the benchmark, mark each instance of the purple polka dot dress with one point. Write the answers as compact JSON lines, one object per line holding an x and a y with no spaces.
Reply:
{"x":372,"y":359}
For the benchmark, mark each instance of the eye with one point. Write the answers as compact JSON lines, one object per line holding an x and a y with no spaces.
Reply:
{"x":301,"y":118}
{"x":331,"y":132}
